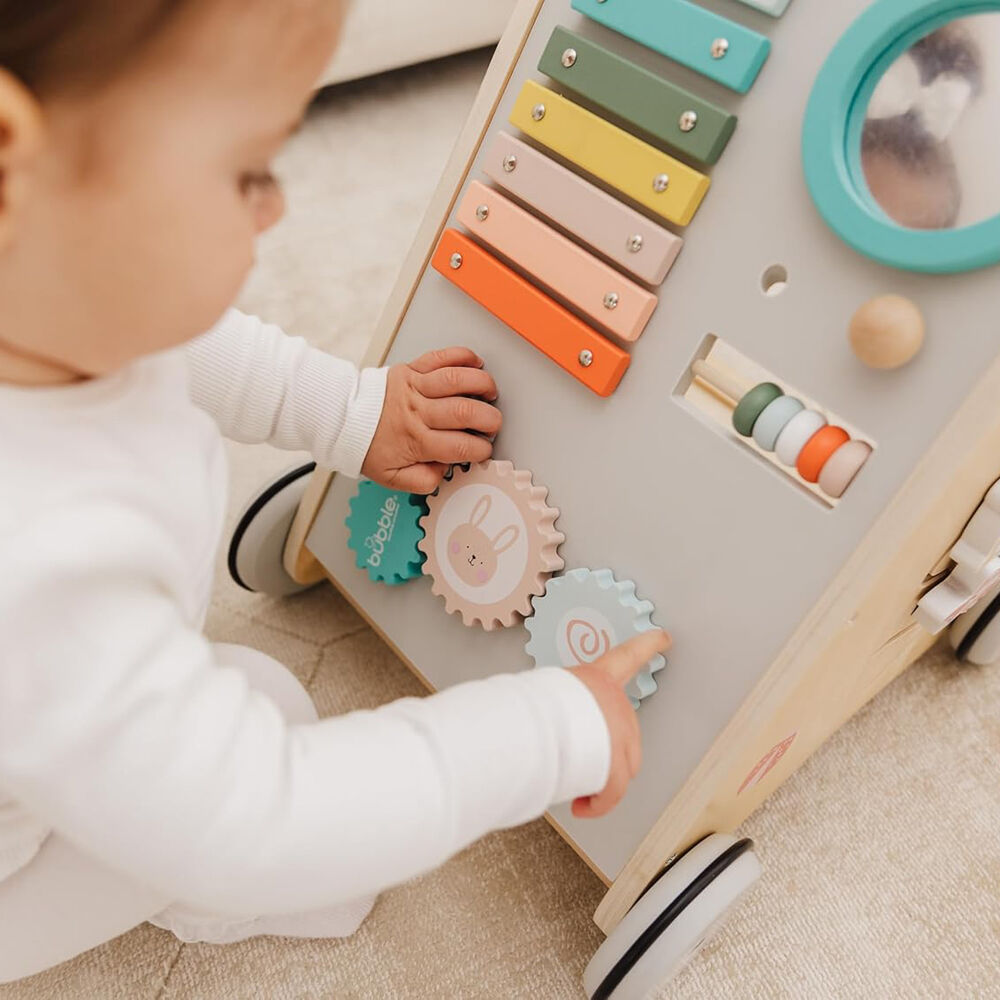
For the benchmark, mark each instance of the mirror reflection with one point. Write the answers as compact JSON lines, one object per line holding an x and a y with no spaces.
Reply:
{"x":930,"y":147}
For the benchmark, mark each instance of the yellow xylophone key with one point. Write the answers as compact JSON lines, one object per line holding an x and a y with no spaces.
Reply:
{"x":668,"y":187}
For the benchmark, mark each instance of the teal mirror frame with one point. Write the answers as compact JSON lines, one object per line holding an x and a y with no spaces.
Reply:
{"x":831,"y":142}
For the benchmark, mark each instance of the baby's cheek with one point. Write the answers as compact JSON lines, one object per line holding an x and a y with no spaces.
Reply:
{"x":482,"y":576}
{"x":454,"y":548}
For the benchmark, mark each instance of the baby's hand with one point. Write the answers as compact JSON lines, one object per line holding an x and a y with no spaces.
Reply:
{"x":606,"y":679}
{"x":427,"y":418}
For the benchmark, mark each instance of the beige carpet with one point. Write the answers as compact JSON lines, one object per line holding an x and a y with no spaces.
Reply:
{"x":881,"y":856}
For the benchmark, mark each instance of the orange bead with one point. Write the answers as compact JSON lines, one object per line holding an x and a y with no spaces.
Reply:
{"x":818,"y":449}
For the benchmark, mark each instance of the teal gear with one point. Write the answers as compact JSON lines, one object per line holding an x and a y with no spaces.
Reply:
{"x":584,"y":614}
{"x":384,"y":531}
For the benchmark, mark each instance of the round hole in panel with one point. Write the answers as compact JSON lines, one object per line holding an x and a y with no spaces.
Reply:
{"x":774,"y":280}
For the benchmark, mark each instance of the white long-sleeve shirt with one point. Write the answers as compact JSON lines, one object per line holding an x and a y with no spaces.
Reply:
{"x":120,"y":731}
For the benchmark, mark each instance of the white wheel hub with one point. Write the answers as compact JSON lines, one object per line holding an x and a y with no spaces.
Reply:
{"x":975,"y":637}
{"x":257,"y":549}
{"x":671,"y":921}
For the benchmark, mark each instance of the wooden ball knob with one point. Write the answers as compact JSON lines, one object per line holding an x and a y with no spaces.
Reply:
{"x":887,"y":332}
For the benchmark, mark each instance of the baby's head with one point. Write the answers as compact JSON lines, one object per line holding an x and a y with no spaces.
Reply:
{"x":911,"y":174}
{"x":135,"y":148}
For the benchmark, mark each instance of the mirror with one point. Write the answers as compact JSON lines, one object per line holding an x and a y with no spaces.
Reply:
{"x":930,"y":143}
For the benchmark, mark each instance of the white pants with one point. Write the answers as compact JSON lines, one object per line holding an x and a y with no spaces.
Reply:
{"x":65,"y":903}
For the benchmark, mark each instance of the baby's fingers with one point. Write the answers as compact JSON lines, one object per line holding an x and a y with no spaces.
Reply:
{"x":449,"y":357}
{"x":445,"y":382}
{"x":601,"y":804}
{"x":455,"y":448}
{"x":625,"y":661}
{"x":458,"y":413}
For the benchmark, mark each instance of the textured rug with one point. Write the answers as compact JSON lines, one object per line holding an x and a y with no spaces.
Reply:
{"x":881,"y":855}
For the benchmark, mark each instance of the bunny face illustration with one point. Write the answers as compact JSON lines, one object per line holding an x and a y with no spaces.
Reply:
{"x":472,"y":553}
{"x":490,"y":543}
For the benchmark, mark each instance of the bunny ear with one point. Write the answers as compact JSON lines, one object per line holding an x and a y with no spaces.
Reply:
{"x":481,"y":509}
{"x":501,"y":543}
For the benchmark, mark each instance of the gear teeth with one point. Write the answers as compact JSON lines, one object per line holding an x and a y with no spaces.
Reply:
{"x":398,"y":535}
{"x":543,"y":558}
{"x":615,"y":600}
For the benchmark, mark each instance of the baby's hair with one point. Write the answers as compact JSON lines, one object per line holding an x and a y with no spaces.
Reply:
{"x":904,"y":140}
{"x":51,"y":44}
{"x":951,"y":49}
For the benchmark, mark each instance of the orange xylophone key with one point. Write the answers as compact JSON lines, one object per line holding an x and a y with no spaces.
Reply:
{"x":529,"y":312}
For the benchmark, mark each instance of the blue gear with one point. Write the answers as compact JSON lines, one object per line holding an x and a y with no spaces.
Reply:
{"x":384,"y":531}
{"x":582,"y":615}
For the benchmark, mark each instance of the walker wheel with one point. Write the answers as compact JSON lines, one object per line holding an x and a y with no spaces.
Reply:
{"x":975,"y":637}
{"x":670,"y":922}
{"x":256,"y":552}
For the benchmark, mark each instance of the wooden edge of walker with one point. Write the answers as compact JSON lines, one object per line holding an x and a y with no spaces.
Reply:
{"x":854,"y":641}
{"x":300,"y":563}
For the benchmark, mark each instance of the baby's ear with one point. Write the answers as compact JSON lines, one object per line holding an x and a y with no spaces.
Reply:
{"x":21,"y":133}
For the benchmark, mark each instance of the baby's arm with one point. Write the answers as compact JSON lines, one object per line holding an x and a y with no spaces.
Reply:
{"x":402,"y":427}
{"x":119,"y":729}
{"x":261,"y":385}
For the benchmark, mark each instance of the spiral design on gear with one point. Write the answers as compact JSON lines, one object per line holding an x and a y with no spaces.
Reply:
{"x":490,"y":543}
{"x":586,"y":641}
{"x":583,"y":615}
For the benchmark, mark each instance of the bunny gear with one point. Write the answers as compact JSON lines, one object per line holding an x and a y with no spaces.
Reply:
{"x":491,"y":544}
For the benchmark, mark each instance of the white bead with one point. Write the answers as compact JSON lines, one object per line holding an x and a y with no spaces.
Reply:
{"x":774,"y":420}
{"x":797,"y":434}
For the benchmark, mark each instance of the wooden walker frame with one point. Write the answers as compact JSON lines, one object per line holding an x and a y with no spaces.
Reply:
{"x":856,"y":639}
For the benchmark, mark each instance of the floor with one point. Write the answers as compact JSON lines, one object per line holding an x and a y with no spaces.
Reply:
{"x":881,"y":855}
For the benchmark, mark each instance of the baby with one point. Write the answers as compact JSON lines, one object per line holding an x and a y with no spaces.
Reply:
{"x":146,"y":773}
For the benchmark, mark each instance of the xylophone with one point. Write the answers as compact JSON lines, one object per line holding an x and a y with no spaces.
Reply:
{"x":749,"y":378}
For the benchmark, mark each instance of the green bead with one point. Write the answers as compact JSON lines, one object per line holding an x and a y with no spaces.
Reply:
{"x":752,"y":405}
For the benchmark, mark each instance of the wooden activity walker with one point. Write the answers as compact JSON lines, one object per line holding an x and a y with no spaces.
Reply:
{"x":732,"y":265}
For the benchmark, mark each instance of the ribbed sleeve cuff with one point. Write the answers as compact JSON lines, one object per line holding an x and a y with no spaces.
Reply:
{"x":585,"y":744}
{"x":320,"y":401}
